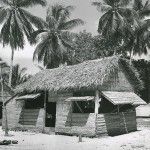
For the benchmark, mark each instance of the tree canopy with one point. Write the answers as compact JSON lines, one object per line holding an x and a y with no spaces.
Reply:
{"x":17,"y":23}
{"x":52,"y":48}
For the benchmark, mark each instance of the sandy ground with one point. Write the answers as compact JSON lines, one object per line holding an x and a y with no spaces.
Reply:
{"x":139,"y":140}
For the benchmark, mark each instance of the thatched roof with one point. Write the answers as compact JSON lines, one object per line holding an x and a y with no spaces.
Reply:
{"x":89,"y":75}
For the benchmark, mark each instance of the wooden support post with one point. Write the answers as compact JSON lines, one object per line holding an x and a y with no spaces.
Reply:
{"x":71,"y":111}
{"x":44,"y":116}
{"x":118,"y":108}
{"x":96,"y":101}
{"x":80,"y":137}
{"x":124,"y":121}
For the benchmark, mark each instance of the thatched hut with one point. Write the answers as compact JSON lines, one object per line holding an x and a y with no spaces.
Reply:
{"x":92,"y":98}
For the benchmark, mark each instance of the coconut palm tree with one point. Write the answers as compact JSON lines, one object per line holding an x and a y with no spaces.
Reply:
{"x":17,"y":23}
{"x":137,"y":39}
{"x":128,"y":24}
{"x":52,"y":48}
{"x":113,"y":19}
{"x":142,"y":8}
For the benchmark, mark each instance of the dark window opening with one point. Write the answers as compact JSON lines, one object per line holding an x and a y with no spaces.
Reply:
{"x":35,"y":103}
{"x":83,"y":107}
{"x":84,"y":93}
{"x":126,"y":108}
{"x":107,"y":107}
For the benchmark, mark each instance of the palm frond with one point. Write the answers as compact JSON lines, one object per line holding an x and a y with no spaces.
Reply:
{"x":146,"y":4}
{"x":16,"y":36}
{"x":145,"y":12}
{"x":124,"y":3}
{"x":135,"y":19}
{"x":114,"y":22}
{"x":30,"y":3}
{"x":55,"y":11}
{"x":23,"y":70}
{"x":67,"y":44}
{"x":36,"y":21}
{"x":137,"y":6}
{"x":146,"y":9}
{"x":98,"y":4}
{"x":51,"y":21}
{"x":109,"y":2}
{"x":102,"y":7}
{"x":26,"y":25}
{"x":55,"y":43}
{"x":44,"y":53}
{"x":121,"y":21}
{"x":68,"y":37}
{"x":3,"y":14}
{"x":5,"y":38}
{"x":102,"y":22}
{"x":71,"y":24}
{"x":18,"y":75}
{"x":105,"y":23}
{"x":59,"y":12}
{"x":62,"y":49}
{"x":6,"y":2}
{"x":69,"y":10}
{"x":33,"y":38}
{"x":125,"y":11}
{"x":66,"y":12}
{"x":41,"y":48}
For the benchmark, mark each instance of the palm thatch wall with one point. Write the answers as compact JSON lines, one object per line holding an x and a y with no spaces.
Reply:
{"x":87,"y":75}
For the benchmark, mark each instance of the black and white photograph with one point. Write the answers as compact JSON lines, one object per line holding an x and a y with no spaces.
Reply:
{"x":74,"y":74}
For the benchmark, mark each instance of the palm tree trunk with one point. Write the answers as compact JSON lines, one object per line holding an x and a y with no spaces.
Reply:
{"x":6,"y":122}
{"x":4,"y":106}
{"x":11,"y":67}
{"x":114,"y":52}
{"x":131,"y":56}
{"x":148,"y":80}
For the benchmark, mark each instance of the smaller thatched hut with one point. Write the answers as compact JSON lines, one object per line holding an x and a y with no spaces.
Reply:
{"x":143,"y":116}
{"x":93,"y":98}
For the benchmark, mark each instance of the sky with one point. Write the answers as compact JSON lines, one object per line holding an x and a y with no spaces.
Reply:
{"x":83,"y":10}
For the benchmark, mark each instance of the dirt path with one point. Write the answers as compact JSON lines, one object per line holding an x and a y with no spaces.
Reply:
{"x":139,"y":140}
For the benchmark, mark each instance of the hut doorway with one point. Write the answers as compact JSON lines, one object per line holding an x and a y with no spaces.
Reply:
{"x":50,"y":114}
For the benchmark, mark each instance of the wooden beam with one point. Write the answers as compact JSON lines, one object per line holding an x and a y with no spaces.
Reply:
{"x":96,"y":101}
